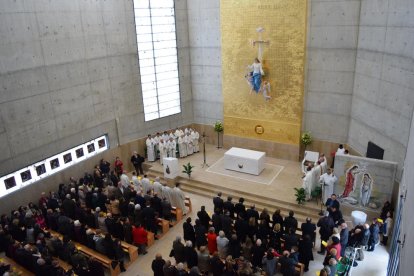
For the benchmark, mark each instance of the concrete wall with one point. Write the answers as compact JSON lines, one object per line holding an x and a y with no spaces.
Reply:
{"x":331,"y":52}
{"x":69,"y":73}
{"x":383,"y":97}
{"x":205,"y":50}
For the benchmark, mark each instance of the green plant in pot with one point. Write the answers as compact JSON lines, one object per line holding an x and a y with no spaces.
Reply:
{"x":317,"y":193}
{"x":218,"y":127}
{"x":188,"y":169}
{"x":300,"y":195}
{"x":306,"y":139}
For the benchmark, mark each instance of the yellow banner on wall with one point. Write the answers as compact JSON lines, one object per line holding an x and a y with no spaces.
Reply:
{"x":279,"y":28}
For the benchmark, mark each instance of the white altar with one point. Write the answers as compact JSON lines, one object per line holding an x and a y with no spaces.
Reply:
{"x":244,"y":160}
{"x":170,"y":165}
{"x":309,"y":156}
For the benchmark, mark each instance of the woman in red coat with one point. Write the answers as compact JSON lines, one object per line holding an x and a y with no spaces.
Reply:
{"x":119,"y":166}
{"x":139,"y":235}
{"x":212,"y":241}
{"x":337,"y":245}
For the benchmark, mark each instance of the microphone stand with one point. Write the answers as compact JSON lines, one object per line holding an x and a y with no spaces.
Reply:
{"x":204,"y":151}
{"x":323,"y":188}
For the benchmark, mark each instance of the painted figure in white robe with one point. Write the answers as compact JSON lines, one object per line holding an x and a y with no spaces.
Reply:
{"x":167,"y":192}
{"x":163,"y":148}
{"x":146,"y":185}
{"x":307,"y":183}
{"x":266,"y":91}
{"x":172,"y":146}
{"x":178,"y":198}
{"x":366,"y":188}
{"x":150,"y":149}
{"x":157,"y":186}
{"x":182,"y":147}
{"x":189,"y":142}
{"x":195,"y":136}
{"x":328,"y":181}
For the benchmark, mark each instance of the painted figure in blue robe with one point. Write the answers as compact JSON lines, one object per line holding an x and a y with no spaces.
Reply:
{"x":257,"y":69}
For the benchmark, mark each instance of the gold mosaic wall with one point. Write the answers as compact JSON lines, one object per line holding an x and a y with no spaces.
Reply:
{"x":284,"y":22}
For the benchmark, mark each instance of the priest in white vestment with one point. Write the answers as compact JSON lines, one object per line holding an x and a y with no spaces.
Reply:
{"x":136,"y":182}
{"x":328,"y":181}
{"x":182,"y":147}
{"x":157,"y":187}
{"x":172,"y":146}
{"x":165,"y":136}
{"x":195,"y":136}
{"x":150,"y":148}
{"x":316,"y":174}
{"x":324,"y":163}
{"x":146,"y":185}
{"x":167,"y":192}
{"x":163,"y":148}
{"x":157,"y":139}
{"x":178,"y":198}
{"x":124,"y":180}
{"x":189,"y":143}
{"x":307,"y":183}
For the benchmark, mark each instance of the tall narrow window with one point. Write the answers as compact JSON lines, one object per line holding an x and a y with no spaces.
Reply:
{"x":157,"y":54}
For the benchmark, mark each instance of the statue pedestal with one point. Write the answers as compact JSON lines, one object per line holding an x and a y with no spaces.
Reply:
{"x":171,"y":169}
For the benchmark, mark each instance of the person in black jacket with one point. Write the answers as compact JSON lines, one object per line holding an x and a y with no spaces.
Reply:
{"x":258,"y":252}
{"x":158,"y":265}
{"x":305,"y":251}
{"x":290,"y":222}
{"x":200,"y":234}
{"x":326,"y":225}
{"x":137,"y":161}
{"x":217,"y":265}
{"x":108,"y":244}
{"x":229,"y":206}
{"x":277,"y":218}
{"x":242,"y":228}
{"x":374,"y":235}
{"x":239,"y":208}
{"x":309,"y":228}
{"x":218,"y":203}
{"x":204,"y":217}
{"x":119,"y":254}
{"x":191,"y":256}
{"x":287,"y":264}
{"x":234,"y":247}
{"x":189,"y":234}
{"x":148,"y":215}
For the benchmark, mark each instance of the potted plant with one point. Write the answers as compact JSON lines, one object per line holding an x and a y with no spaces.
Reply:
{"x":188,"y":169}
{"x":218,"y":127}
{"x":306,"y":138}
{"x":300,"y":195}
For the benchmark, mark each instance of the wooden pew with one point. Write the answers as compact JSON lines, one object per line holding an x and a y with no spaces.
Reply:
{"x":16,"y":267}
{"x":188,"y":204}
{"x":132,"y":250}
{"x":104,"y":260}
{"x":178,"y":213}
{"x":64,"y":265}
{"x":165,"y":226}
{"x":299,"y":268}
{"x":150,"y":239}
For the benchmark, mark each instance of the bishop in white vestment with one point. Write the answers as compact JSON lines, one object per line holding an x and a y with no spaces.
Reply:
{"x":150,"y":149}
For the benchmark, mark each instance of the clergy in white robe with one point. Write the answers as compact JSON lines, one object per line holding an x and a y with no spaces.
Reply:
{"x":189,"y":142}
{"x":157,"y":187}
{"x":328,"y":181}
{"x":182,"y":147}
{"x":178,"y":198}
{"x":146,"y":185}
{"x":316,"y":174}
{"x":171,"y":147}
{"x":307,"y":183}
{"x":195,"y":136}
{"x":163,"y":150}
{"x":167,"y":192}
{"x":124,"y":180}
{"x":136,"y":182}
{"x":157,"y":139}
{"x":165,"y":136}
{"x":324,"y":163}
{"x":186,"y":131}
{"x":150,"y":149}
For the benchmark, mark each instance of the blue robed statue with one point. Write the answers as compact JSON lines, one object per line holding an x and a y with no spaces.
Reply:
{"x":255,"y":75}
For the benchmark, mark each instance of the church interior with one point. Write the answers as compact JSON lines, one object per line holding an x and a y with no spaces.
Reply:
{"x":252,"y":100}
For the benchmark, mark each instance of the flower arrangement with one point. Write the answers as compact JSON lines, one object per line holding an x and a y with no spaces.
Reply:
{"x":218,"y":126}
{"x":306,"y":138}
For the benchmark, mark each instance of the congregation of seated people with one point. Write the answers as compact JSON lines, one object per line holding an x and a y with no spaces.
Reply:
{"x":98,"y":211}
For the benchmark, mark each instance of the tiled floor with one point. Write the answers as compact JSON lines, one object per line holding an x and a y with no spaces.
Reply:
{"x":375,"y":263}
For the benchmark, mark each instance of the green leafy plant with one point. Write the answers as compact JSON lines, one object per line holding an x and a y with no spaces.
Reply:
{"x":317,"y":193}
{"x":218,"y":126}
{"x":188,"y":169}
{"x":306,"y":138}
{"x":300,"y":195}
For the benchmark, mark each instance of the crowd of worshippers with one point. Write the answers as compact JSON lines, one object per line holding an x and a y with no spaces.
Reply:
{"x":92,"y":211}
{"x":179,"y":143}
{"x":238,"y":240}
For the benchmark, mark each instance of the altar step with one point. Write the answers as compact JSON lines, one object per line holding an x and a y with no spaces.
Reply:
{"x":210,"y":190}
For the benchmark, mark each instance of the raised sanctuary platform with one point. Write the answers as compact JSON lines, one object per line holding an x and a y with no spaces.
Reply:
{"x":244,"y":160}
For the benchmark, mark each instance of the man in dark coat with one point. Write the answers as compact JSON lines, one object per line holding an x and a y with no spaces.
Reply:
{"x":252,"y":213}
{"x":326,"y":225}
{"x":229,"y":206}
{"x":189,"y":234}
{"x":218,"y":203}
{"x":137,"y":161}
{"x":158,"y":265}
{"x":287,"y":264}
{"x":344,"y":234}
{"x":204,"y":217}
{"x":309,"y":228}
{"x":166,"y":209}
{"x":374,"y":235}
{"x":239,"y":207}
{"x":69,"y":207}
{"x":148,"y":215}
{"x":290,"y":222}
